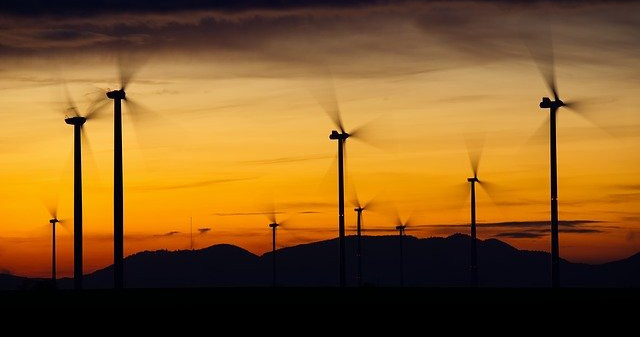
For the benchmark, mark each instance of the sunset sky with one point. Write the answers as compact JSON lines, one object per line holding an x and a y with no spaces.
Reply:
{"x":230,"y":122}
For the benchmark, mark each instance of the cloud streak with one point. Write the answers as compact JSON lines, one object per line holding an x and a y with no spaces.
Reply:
{"x":196,"y":184}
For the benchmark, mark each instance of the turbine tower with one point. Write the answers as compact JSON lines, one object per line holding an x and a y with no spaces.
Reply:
{"x":341,"y":137}
{"x":118,"y":96}
{"x":53,"y":223}
{"x":118,"y":195}
{"x":401,"y":228}
{"x":329,"y":103}
{"x":359,"y":211}
{"x":273,"y":227}
{"x":473,"y":263}
{"x":77,"y":122}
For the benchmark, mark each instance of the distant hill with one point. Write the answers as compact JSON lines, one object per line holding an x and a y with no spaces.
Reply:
{"x":431,"y":262}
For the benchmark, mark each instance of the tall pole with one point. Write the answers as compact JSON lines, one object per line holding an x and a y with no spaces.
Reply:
{"x":359,"y":252}
{"x":77,"y":206}
{"x":118,"y":197}
{"x":53,"y":253}
{"x":474,"y":248}
{"x":555,"y":253}
{"x":343,"y":270}
{"x":401,"y":230}
{"x":273,"y":248}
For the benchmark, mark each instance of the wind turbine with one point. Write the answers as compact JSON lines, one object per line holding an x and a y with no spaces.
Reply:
{"x":544,"y":56}
{"x":72,"y":117}
{"x":474,"y":160}
{"x":401,"y":228}
{"x":53,"y":212}
{"x":329,"y":103}
{"x":359,"y":208}
{"x":274,"y":224}
{"x":118,"y":96}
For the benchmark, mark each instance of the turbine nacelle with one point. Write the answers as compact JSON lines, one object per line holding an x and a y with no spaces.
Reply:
{"x":116,"y":94}
{"x":77,"y":121}
{"x":337,"y":135}
{"x":273,"y":225}
{"x":54,"y":221}
{"x":473,"y":180}
{"x":547,"y":103}
{"x":359,"y":209}
{"x":401,"y":228}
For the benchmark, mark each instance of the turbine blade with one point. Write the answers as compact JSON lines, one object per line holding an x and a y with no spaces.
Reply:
{"x":97,"y":107}
{"x":325,"y":94}
{"x":128,"y":64}
{"x":475,"y":145}
{"x":588,"y":111}
{"x":70,"y":109}
{"x":540,"y":45}
{"x":90,"y":159}
{"x":541,"y":135}
{"x":329,"y":182}
{"x":53,"y":210}
{"x":378,"y":133}
{"x":271,"y":212}
{"x":492,"y":190}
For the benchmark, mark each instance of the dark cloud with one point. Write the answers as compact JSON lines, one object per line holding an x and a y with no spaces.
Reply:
{"x":101,"y":7}
{"x":203,"y":230}
{"x":520,"y":235}
{"x":171,"y":233}
{"x":520,"y":224}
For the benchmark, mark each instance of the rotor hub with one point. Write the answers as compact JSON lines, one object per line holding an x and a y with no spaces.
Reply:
{"x":116,"y":94}
{"x":77,"y":121}
{"x":547,"y":103}
{"x":338,"y":135}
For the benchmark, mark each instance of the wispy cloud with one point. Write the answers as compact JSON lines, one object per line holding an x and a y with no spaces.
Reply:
{"x":195,"y":184}
{"x":520,"y":235}
{"x":286,"y":160}
{"x":171,"y":233}
{"x":203,"y":230}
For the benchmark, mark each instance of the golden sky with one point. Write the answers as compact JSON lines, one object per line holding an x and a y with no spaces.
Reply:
{"x":231,"y":124}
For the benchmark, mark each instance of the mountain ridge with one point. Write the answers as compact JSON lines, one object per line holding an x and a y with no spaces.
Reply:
{"x":428,"y":262}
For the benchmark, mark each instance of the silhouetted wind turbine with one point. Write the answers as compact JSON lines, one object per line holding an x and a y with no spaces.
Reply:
{"x":72,"y":117}
{"x":329,"y":103}
{"x":118,"y":96}
{"x":401,"y":228}
{"x":53,"y":221}
{"x":359,"y":208}
{"x":274,"y":223}
{"x":474,"y":159}
{"x":544,"y":56}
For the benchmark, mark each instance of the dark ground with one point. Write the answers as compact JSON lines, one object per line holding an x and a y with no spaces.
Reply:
{"x":442,"y":297}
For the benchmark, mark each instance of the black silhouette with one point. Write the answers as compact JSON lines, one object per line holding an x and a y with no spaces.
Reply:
{"x":430,"y":262}
{"x":329,"y":102}
{"x":400,"y":229}
{"x":72,"y":117}
{"x":54,"y":220}
{"x":359,"y":211}
{"x":118,"y":96}
{"x":475,"y":151}
{"x":273,"y":227}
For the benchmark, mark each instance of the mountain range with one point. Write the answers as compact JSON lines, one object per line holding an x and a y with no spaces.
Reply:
{"x":428,"y":262}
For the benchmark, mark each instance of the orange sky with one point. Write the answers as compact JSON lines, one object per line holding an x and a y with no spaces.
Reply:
{"x":235,"y":126}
